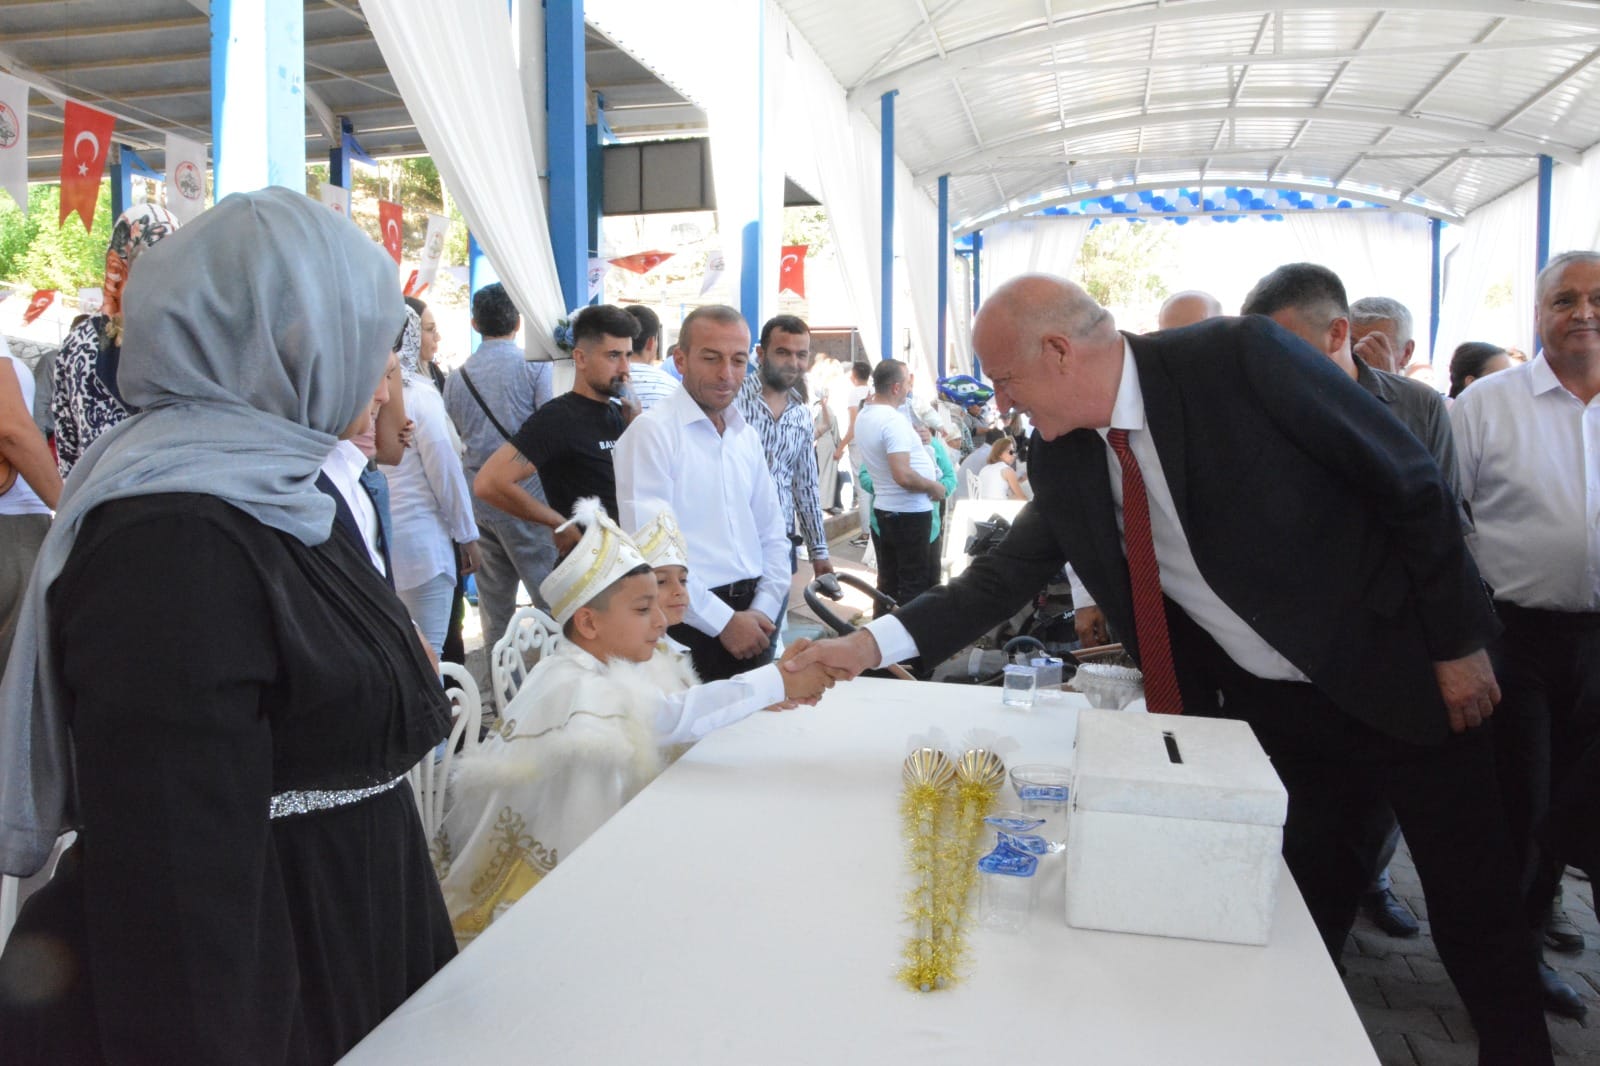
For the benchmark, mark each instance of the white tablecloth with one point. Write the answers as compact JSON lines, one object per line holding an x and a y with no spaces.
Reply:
{"x":747,"y":909}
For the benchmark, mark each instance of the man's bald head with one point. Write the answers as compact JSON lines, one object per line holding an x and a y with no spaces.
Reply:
{"x":1186,"y":308}
{"x":1052,"y":352}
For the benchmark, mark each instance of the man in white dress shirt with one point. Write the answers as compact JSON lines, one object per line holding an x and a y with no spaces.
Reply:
{"x":1528,"y":442}
{"x":693,"y":453}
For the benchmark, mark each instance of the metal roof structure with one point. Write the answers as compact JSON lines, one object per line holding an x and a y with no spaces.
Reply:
{"x":1433,"y":106}
{"x":149,"y":63}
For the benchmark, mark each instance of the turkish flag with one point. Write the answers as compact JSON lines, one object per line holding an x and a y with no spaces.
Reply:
{"x":85,"y":142}
{"x":412,"y":287}
{"x":792,"y":270}
{"x":36,"y":305}
{"x":389,"y":218}
{"x":641,"y":262}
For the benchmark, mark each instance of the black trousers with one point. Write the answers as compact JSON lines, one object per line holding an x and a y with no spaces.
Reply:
{"x":1548,"y":666}
{"x":712,"y":661}
{"x":901,"y":544}
{"x":1338,"y":771}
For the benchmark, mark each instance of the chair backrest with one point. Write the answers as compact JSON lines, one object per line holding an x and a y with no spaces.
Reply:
{"x":430,"y":778}
{"x":529,"y":635}
{"x":972,"y":484}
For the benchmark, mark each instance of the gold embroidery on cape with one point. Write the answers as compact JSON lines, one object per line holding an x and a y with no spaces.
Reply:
{"x":519,"y":862}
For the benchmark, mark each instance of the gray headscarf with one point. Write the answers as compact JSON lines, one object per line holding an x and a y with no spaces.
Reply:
{"x":410,"y":350}
{"x":252,"y":338}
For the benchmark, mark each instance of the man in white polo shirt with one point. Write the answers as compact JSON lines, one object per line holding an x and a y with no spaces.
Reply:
{"x":905,"y":485}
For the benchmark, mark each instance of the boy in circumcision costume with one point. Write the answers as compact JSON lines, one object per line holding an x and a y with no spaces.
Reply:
{"x":593,"y":722}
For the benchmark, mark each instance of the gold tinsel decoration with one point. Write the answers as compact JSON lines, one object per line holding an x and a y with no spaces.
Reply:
{"x":942,"y":827}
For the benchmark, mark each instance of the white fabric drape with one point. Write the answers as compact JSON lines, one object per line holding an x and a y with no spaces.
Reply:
{"x":1047,"y":245}
{"x":459,"y":79}
{"x":843,"y":147}
{"x":1574,"y":207}
{"x":960,"y":360}
{"x":1375,"y":253}
{"x":1495,"y":256}
{"x":918,"y":224}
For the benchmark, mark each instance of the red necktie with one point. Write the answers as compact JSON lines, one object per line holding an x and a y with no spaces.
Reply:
{"x":1149,"y":612}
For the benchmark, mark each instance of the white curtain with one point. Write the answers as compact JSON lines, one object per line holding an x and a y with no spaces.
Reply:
{"x":843,"y":147}
{"x":459,"y":80}
{"x":1047,"y":245}
{"x":918,"y":223}
{"x":1575,"y":207}
{"x":1375,"y":253}
{"x":1488,"y":292}
{"x":960,"y":314}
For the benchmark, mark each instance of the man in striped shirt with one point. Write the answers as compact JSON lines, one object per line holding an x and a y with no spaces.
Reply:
{"x":650,"y":383}
{"x":770,"y":403}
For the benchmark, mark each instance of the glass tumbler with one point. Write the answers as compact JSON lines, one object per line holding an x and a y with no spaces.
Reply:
{"x":1020,"y":683}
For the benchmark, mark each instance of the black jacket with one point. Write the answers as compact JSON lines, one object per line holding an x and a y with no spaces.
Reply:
{"x":1310,"y":510}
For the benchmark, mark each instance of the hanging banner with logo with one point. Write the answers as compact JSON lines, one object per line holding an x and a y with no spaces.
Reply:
{"x":715,"y":265}
{"x":432,"y":251}
{"x":36,"y":305}
{"x":85,"y":142}
{"x":186,"y":178}
{"x":641,"y":262}
{"x":597,"y":277}
{"x":336,"y":197}
{"x":792,"y":270}
{"x":14,"y":140}
{"x":390,"y":220}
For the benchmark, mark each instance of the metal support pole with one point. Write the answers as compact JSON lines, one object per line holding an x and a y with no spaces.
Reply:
{"x":977,"y":293}
{"x":1436,"y":293}
{"x":258,"y":103}
{"x":944,"y":266}
{"x":886,"y":228}
{"x":597,"y":194}
{"x":567,"y":111}
{"x":1547,"y":167}
{"x":339,"y":155}
{"x":121,"y":175}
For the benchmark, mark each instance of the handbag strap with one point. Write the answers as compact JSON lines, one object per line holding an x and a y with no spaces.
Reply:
{"x":483,"y":406}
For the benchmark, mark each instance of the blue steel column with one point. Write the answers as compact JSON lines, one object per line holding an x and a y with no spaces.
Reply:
{"x":977,"y":293}
{"x":753,"y":271}
{"x":1436,"y":292}
{"x":258,"y":103}
{"x":1547,"y":167}
{"x":944,"y":265}
{"x":597,"y":192}
{"x":121,"y":174}
{"x":886,"y":228}
{"x":566,"y":106}
{"x":339,"y":156}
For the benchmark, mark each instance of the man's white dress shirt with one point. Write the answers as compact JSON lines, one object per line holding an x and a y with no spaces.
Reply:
{"x":1181,"y":579}
{"x":344,"y":466}
{"x":1529,"y":453}
{"x":718,"y":488}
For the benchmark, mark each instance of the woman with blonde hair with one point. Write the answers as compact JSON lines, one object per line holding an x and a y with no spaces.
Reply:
{"x":998,"y":479}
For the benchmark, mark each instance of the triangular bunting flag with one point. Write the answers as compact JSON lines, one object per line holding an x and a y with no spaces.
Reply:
{"x":36,"y":305}
{"x":792,"y":270}
{"x":85,"y":142}
{"x":14,"y":140}
{"x":641,"y":262}
{"x":390,"y":219}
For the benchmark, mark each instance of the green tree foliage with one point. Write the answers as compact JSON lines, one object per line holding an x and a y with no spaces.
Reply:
{"x":35,"y":253}
{"x":1122,"y":264}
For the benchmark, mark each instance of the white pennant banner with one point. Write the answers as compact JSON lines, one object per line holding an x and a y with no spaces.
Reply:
{"x":336,"y":197}
{"x":597,"y":276}
{"x":715,"y":264}
{"x":14,"y":139}
{"x":186,"y":178}
{"x":432,"y":250}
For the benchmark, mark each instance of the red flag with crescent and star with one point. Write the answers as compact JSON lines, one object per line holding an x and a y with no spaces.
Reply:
{"x":389,"y":218}
{"x":641,"y":262}
{"x":792,"y":270}
{"x":85,"y":143}
{"x":36,"y":305}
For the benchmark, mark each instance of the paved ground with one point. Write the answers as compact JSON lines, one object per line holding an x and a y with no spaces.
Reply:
{"x":1399,"y":987}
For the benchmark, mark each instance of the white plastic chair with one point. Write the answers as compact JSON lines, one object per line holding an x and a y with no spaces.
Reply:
{"x":430,"y":778}
{"x":529,"y":635}
{"x":972,"y":485}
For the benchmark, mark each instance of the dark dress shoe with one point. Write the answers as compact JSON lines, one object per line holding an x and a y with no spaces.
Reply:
{"x":1560,"y":997}
{"x":1559,"y":932}
{"x":1389,"y":914}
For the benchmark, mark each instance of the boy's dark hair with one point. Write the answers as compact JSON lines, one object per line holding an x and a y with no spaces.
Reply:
{"x":602,"y":599}
{"x":649,"y":326}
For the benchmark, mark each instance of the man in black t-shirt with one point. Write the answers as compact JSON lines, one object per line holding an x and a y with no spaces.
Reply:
{"x":568,"y":441}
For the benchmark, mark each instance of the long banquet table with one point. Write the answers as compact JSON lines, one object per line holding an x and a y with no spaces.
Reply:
{"x":747,"y":909}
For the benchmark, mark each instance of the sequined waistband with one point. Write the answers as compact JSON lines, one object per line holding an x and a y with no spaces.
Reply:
{"x":285,"y":804}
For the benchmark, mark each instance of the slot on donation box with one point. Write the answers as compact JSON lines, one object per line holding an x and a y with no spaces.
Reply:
{"x":1177,"y":828}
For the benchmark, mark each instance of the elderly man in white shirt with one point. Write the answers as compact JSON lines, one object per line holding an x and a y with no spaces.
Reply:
{"x":1528,"y":444}
{"x":694,"y":453}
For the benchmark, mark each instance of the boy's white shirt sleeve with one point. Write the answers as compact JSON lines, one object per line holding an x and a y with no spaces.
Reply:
{"x":688,"y":716}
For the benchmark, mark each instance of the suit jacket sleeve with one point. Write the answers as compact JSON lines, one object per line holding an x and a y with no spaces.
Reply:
{"x":948,"y":617}
{"x":1357,"y":441}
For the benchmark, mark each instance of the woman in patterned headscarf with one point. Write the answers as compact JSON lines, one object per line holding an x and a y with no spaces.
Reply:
{"x":430,"y":503}
{"x":86,"y":402}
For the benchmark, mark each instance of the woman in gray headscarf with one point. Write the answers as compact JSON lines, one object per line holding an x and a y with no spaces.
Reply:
{"x":213,"y":686}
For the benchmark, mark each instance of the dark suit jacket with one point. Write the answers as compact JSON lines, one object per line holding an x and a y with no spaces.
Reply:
{"x":1311,"y":512}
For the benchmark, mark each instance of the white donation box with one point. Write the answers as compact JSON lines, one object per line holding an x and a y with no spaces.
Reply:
{"x":1177,"y":828}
